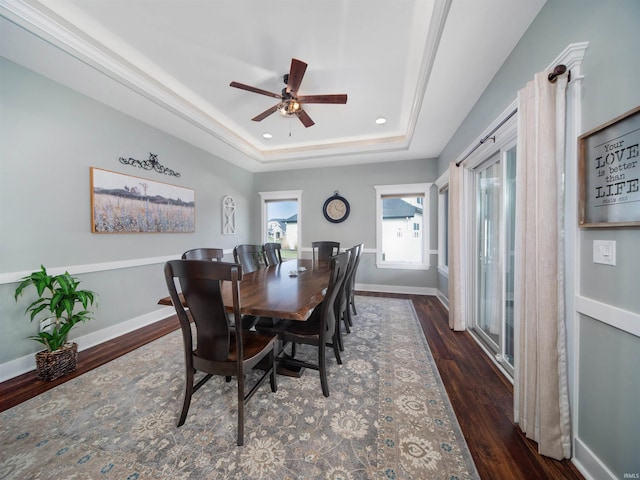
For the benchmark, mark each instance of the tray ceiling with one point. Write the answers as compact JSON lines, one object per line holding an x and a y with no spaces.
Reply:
{"x":421,"y":64}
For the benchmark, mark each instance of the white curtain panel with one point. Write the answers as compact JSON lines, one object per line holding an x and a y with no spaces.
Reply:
{"x":457,"y":313}
{"x":541,"y":404}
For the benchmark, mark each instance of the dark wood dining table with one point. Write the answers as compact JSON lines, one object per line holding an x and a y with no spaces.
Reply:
{"x":289,"y":291}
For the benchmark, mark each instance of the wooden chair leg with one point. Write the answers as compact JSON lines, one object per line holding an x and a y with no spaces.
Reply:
{"x":336,"y":349}
{"x":188,"y":392}
{"x":272,"y":380}
{"x":353,"y":305}
{"x":338,"y":337}
{"x":240,"y":410}
{"x":347,"y":320}
{"x":322,"y":364}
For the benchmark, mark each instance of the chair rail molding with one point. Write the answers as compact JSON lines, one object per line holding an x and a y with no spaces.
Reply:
{"x":15,"y":277}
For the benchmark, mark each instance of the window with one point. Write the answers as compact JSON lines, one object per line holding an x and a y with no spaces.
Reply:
{"x":402,"y":226}
{"x":443,"y":223}
{"x":281,"y":220}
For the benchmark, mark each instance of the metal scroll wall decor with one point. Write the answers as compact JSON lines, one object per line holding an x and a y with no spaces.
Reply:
{"x":228,"y":215}
{"x":151,"y":164}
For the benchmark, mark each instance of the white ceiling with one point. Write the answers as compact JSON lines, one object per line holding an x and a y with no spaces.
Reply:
{"x":422,"y":64}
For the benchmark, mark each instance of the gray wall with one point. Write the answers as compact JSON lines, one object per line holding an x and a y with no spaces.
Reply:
{"x":356,"y":183}
{"x":607,"y":408}
{"x":50,"y":136}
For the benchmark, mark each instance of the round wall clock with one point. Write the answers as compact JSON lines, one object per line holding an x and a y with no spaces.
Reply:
{"x":336,"y":208}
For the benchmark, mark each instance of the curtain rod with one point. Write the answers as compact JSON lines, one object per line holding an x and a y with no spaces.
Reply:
{"x":552,"y":77}
{"x":487,"y":136}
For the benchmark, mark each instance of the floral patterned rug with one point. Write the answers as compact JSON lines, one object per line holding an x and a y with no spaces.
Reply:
{"x":388,"y":417}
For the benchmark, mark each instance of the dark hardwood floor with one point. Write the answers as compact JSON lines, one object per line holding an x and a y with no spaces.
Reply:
{"x":479,"y":393}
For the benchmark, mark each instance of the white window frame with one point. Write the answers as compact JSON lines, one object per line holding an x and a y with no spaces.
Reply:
{"x":266,"y":197}
{"x":443,"y":218}
{"x":417,"y":189}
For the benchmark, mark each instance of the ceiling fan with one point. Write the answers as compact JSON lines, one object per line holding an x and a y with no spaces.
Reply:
{"x":290,"y":102}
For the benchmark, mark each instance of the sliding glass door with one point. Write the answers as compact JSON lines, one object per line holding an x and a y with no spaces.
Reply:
{"x":493,"y":254}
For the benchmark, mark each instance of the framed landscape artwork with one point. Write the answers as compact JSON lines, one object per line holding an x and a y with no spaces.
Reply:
{"x":126,"y":204}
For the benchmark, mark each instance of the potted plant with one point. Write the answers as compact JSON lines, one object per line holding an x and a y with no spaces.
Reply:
{"x":58,"y":300}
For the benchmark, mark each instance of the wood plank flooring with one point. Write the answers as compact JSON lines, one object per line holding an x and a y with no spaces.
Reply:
{"x":479,"y":393}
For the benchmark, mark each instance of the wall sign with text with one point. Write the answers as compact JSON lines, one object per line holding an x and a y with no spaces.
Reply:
{"x":609,"y":173}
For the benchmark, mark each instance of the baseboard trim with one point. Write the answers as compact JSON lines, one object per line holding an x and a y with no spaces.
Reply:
{"x":588,"y":463}
{"x":443,"y":300}
{"x":368,"y":287}
{"x":18,"y":366}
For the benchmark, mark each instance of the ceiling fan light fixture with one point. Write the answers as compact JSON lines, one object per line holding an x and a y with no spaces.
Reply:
{"x":289,"y":108}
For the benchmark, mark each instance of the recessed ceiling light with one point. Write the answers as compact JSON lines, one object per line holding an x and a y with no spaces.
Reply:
{"x":381,"y":120}
{"x":267,"y":135}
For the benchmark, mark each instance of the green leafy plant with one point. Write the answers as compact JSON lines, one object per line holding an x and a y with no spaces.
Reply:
{"x":58,"y":297}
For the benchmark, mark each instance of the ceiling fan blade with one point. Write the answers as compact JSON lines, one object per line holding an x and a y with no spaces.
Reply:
{"x":249,"y":88}
{"x":305,"y":119}
{"x":341,"y":98}
{"x":296,"y":73}
{"x":265,"y":114}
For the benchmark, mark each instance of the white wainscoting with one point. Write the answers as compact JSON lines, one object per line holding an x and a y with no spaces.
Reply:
{"x":584,"y":458}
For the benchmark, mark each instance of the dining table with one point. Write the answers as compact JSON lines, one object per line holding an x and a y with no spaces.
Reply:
{"x":290,"y":290}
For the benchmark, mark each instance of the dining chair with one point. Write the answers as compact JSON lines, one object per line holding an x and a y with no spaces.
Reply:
{"x":215,"y":254}
{"x":219,"y":348}
{"x":319,"y":329}
{"x":251,"y":257}
{"x":324,"y":250}
{"x":342,"y":301}
{"x":273,"y":253}
{"x":356,"y":251}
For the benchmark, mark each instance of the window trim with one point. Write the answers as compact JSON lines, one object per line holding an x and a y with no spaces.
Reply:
{"x":266,"y":197}
{"x":418,"y":189}
{"x":443,"y":218}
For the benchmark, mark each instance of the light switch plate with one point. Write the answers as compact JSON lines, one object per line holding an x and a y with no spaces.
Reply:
{"x":604,"y":251}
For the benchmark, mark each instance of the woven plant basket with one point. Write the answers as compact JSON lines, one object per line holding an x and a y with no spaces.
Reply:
{"x":52,"y":365}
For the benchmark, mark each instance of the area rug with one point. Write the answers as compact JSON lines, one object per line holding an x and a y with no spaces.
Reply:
{"x":387,"y":417}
